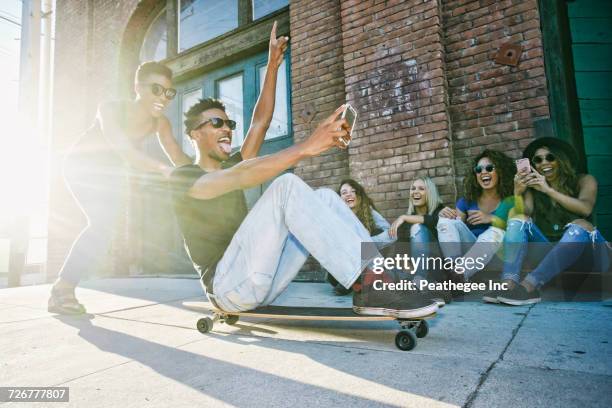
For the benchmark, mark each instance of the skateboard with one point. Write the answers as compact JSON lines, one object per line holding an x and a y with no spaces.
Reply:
{"x":405,"y":339}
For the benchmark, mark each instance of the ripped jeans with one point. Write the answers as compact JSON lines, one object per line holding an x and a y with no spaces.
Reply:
{"x":576,"y":243}
{"x":422,"y":242}
{"x":457,"y":240}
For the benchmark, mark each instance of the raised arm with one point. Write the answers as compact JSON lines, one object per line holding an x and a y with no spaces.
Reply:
{"x":264,"y":108}
{"x":168,"y":143}
{"x":253,"y":172}
{"x":120,"y":142}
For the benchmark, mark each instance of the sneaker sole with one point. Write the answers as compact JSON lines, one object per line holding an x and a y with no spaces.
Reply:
{"x":440,"y":302}
{"x":398,"y":314}
{"x":515,"y":302}
{"x":489,"y":299}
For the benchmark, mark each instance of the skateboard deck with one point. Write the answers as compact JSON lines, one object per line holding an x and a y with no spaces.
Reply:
{"x":406,"y":339}
{"x":298,"y":313}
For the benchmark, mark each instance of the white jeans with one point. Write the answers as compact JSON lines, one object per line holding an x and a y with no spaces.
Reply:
{"x":457,"y":240}
{"x":289,"y":221}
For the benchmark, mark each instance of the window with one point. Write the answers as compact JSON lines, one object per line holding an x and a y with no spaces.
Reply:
{"x":202,"y":20}
{"x":188,"y":99}
{"x":264,"y":7}
{"x":230,"y":92}
{"x":280,"y":120}
{"x":154,"y":46}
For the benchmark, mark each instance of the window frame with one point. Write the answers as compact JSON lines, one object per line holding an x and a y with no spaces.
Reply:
{"x":245,"y":19}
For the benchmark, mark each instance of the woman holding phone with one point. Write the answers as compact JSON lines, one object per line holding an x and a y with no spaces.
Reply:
{"x":554,"y":204}
{"x":475,"y":227}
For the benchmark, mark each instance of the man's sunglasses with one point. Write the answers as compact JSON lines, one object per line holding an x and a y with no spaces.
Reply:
{"x":539,"y":159}
{"x":489,"y":168}
{"x":217,"y":123}
{"x":158,"y":90}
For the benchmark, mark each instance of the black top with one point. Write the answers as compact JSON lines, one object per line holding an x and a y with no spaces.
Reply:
{"x":208,"y":226}
{"x":551,"y":218}
{"x":429,"y":220}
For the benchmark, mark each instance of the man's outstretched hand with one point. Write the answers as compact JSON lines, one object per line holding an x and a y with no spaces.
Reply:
{"x":328,"y":134}
{"x":277,"y":48}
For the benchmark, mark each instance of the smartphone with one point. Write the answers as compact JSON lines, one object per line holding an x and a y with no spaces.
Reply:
{"x":350,"y":114}
{"x":523,"y":166}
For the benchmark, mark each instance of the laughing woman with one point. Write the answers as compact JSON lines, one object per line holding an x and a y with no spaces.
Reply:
{"x":554,"y":207}
{"x":418,"y":225}
{"x":355,"y":196}
{"x":479,"y":219}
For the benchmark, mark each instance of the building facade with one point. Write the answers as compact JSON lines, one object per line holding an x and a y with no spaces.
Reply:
{"x":427,"y":77}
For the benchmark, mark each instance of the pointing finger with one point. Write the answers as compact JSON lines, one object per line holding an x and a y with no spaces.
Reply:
{"x":273,"y":33}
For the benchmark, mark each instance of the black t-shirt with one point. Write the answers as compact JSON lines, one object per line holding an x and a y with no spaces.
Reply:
{"x":208,"y":226}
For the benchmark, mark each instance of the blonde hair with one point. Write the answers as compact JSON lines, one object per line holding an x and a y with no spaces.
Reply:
{"x":431,"y":193}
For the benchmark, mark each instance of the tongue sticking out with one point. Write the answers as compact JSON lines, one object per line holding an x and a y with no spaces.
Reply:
{"x":226,"y":147}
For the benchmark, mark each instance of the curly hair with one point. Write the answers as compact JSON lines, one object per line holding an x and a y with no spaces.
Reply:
{"x":504,"y":166}
{"x":192,"y":117}
{"x":363,"y":206}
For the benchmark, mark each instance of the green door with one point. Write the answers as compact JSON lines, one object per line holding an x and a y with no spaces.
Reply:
{"x":590,"y":24}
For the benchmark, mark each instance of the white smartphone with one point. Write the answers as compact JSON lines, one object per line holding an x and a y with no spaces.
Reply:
{"x":350,"y":114}
{"x":523,"y":166}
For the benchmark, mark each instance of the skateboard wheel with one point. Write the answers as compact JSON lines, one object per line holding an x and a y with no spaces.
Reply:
{"x":204,"y":325}
{"x":405,"y":340}
{"x":231,"y":319}
{"x":422,"y":329}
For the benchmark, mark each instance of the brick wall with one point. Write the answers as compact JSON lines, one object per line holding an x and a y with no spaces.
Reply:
{"x":317,"y":82}
{"x":419,"y":72}
{"x":394,"y":68}
{"x":493,"y":105}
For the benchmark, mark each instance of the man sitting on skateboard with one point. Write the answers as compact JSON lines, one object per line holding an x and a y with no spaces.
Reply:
{"x":246,"y":259}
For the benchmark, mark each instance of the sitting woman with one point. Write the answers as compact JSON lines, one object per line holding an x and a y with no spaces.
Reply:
{"x":355,"y":197}
{"x":418,"y":225}
{"x":560,"y":203}
{"x":479,"y":219}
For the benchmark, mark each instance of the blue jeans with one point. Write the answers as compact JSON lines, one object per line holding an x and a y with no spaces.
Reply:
{"x":457,"y":240}
{"x":421,"y":242}
{"x":99,"y":184}
{"x":575,"y":243}
{"x":289,"y":221}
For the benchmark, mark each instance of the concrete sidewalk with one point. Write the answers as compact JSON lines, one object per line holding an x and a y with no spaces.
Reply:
{"x":140,"y":348}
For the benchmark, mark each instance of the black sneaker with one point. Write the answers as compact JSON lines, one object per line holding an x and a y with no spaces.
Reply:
{"x":520,"y":296}
{"x":403,"y":305}
{"x":437,"y":296}
{"x":492,"y":297}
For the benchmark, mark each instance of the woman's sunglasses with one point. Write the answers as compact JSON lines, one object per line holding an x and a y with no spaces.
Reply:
{"x":539,"y":159}
{"x":218,"y":123}
{"x":158,"y":90}
{"x":489,"y":168}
